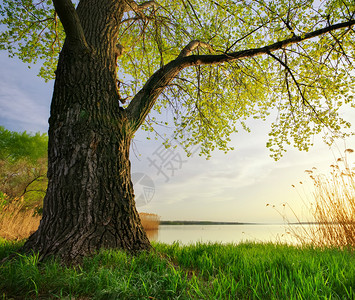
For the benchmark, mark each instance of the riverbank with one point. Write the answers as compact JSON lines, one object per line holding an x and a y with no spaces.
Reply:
{"x":201,"y":271}
{"x":204,"y":223}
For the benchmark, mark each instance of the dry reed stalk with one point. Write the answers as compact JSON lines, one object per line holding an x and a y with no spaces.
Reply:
{"x":333,"y":210}
{"x":150,"y":221}
{"x":17,"y":223}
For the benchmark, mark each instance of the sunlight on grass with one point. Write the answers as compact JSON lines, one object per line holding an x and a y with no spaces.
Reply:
{"x":200,"y":271}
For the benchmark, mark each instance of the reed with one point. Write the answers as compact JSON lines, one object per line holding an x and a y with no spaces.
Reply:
{"x":333,"y":208}
{"x":16,"y":221}
{"x":150,"y":221}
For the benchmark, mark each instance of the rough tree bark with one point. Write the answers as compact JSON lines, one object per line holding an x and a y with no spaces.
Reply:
{"x":89,"y":203}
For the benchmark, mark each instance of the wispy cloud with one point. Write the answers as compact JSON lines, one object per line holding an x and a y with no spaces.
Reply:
{"x":21,"y":110}
{"x":24,"y":98}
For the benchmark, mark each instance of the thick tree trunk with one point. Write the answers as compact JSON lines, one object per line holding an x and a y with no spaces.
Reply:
{"x":89,"y":202}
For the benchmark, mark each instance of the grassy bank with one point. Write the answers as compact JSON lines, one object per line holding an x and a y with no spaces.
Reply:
{"x":202,"y":271}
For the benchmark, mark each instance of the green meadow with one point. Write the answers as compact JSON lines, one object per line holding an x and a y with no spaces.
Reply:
{"x":322,"y":268}
{"x":199,"y":271}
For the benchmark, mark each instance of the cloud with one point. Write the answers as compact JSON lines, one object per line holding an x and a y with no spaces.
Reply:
{"x":20,"y":110}
{"x":24,"y":98}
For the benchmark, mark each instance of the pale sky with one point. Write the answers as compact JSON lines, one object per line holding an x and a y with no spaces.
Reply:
{"x":228,"y":187}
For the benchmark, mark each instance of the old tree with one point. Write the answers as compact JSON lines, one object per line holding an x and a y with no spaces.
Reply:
{"x":213,"y":64}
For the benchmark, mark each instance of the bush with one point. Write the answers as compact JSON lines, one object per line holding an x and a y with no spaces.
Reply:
{"x":23,"y":166}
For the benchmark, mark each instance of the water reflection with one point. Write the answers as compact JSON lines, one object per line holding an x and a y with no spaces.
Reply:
{"x":187,"y":234}
{"x":152,"y":234}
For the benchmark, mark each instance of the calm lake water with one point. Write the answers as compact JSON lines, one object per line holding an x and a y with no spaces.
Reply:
{"x":187,"y":234}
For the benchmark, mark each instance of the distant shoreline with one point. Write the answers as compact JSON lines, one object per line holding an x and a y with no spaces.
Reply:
{"x":206,"y":223}
{"x":230,"y":223}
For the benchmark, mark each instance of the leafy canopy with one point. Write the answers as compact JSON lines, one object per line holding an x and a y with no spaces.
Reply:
{"x":15,"y":146}
{"x":306,"y":83}
{"x":23,"y":166}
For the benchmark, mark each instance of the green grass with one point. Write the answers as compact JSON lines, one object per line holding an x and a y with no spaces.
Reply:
{"x":201,"y":271}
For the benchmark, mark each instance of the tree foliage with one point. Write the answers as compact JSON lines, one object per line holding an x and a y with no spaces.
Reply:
{"x":249,"y":58}
{"x":23,"y":166}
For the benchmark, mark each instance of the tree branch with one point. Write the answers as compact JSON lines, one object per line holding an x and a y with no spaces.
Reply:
{"x":143,"y":102}
{"x":28,"y":184}
{"x":193,"y":45}
{"x":221,"y":58}
{"x":133,"y":6}
{"x":71,"y":23}
{"x":304,"y":100}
